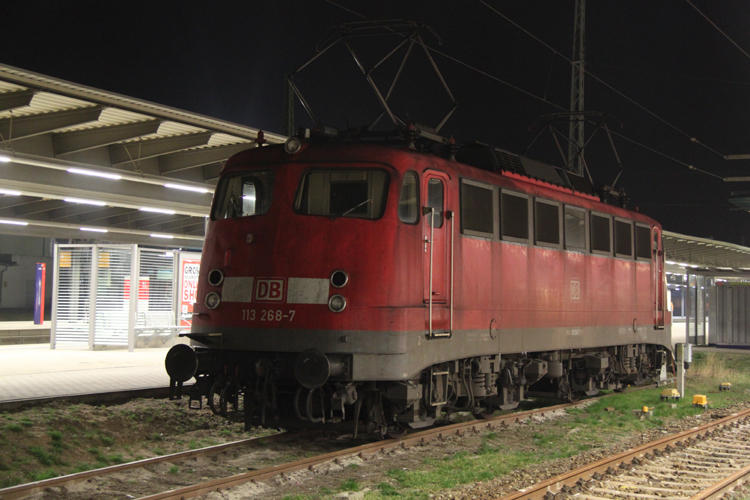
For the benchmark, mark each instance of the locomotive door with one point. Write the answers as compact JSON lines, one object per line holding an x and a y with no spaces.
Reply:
{"x":657,"y":267}
{"x":437,"y":236}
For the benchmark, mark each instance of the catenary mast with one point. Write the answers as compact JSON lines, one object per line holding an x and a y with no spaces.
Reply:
{"x":576,"y":135}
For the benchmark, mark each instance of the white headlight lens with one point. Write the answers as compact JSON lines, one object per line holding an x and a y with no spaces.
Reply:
{"x":213,"y":300}
{"x":292,"y":145}
{"x":337,"y":303}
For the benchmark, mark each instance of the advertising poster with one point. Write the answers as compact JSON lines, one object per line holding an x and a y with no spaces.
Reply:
{"x":190,"y":269}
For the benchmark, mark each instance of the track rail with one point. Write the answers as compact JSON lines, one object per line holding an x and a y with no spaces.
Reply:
{"x":656,"y":469}
{"x":24,"y":490}
{"x":417,"y":438}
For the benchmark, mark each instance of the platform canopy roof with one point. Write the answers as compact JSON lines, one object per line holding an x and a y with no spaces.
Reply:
{"x":693,"y":255}
{"x":63,"y":146}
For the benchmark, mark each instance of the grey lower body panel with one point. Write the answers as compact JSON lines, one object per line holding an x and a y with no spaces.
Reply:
{"x":403,"y":355}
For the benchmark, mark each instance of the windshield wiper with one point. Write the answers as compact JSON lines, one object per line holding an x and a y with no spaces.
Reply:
{"x":341,"y":214}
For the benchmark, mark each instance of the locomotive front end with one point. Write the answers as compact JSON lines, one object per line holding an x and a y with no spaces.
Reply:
{"x":296,"y":300}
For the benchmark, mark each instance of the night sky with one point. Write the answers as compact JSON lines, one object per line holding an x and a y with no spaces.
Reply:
{"x":229,"y":60}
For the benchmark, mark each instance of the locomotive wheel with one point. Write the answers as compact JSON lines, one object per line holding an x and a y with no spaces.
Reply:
{"x":396,"y":431}
{"x":214,"y":396}
{"x":228,"y":392}
{"x":482,"y":412}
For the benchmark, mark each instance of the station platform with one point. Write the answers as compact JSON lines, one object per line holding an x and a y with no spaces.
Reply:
{"x":36,"y":372}
{"x":24,"y":332}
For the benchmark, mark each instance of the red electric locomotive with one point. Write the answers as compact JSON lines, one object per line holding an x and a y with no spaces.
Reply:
{"x":379,"y":287}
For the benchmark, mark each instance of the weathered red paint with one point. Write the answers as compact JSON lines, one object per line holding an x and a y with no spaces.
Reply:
{"x":516,"y":285}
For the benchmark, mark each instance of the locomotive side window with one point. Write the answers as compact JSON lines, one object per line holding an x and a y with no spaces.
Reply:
{"x":514,"y":216}
{"x":435,"y":201}
{"x":623,"y":238}
{"x":408,"y":203}
{"x":642,"y":242}
{"x":546,"y":222}
{"x":600,"y":234}
{"x":477,"y":213}
{"x":243,"y":195}
{"x":575,"y":228}
{"x":356,"y":193}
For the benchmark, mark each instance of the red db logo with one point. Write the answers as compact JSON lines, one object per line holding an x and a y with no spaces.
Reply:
{"x":269,"y":290}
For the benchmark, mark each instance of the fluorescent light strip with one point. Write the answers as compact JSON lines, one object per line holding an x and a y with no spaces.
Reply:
{"x":4,"y":159}
{"x":10,"y":192}
{"x":187,"y":188}
{"x":94,"y":229}
{"x":94,"y":173}
{"x":14,"y":222}
{"x":85,"y":202}
{"x":158,"y":210}
{"x":165,"y":236}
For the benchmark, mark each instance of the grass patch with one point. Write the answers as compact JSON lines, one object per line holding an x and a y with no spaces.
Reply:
{"x":174,"y":469}
{"x":41,"y":454}
{"x":14,"y":428}
{"x":387,"y":490}
{"x":41,"y":476}
{"x":350,"y":485}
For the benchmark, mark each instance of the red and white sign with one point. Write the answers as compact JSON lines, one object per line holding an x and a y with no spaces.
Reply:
{"x":189,"y":279}
{"x":269,"y":290}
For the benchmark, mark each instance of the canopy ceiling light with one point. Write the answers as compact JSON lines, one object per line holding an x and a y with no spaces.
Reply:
{"x":85,"y":202}
{"x":94,"y":173}
{"x":186,"y":188}
{"x":157,"y":210}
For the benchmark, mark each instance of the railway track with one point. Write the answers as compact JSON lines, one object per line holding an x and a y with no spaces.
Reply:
{"x":418,"y":438}
{"x":699,"y":464}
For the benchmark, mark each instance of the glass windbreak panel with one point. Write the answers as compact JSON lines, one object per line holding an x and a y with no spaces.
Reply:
{"x":642,"y":242}
{"x":435,"y":201}
{"x":243,"y":195}
{"x":623,"y":238}
{"x":575,"y":228}
{"x":514,"y":216}
{"x":600,"y":233}
{"x":547,"y":223}
{"x":356,"y":193}
{"x":476,"y":209}
{"x":408,"y":203}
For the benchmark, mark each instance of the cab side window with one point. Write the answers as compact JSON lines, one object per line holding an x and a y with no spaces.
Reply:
{"x":408,"y":203}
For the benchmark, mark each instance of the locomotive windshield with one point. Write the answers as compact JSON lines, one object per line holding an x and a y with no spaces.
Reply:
{"x":244,"y":195}
{"x":359,"y":193}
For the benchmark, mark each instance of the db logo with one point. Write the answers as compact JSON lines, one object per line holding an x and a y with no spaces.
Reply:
{"x":575,"y":290}
{"x":269,"y":290}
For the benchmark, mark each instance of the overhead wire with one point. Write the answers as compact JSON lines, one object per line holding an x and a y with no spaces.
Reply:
{"x":718,"y":29}
{"x":557,"y":106}
{"x":589,"y":73}
{"x":473,"y":68}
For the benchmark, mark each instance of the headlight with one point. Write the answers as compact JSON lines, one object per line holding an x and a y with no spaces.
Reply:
{"x":215,"y":277}
{"x":337,"y":303}
{"x":339,"y":278}
{"x":213,"y":300}
{"x":292,"y":145}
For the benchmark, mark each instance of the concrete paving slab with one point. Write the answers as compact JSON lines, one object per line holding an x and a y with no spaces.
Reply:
{"x":39,"y":372}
